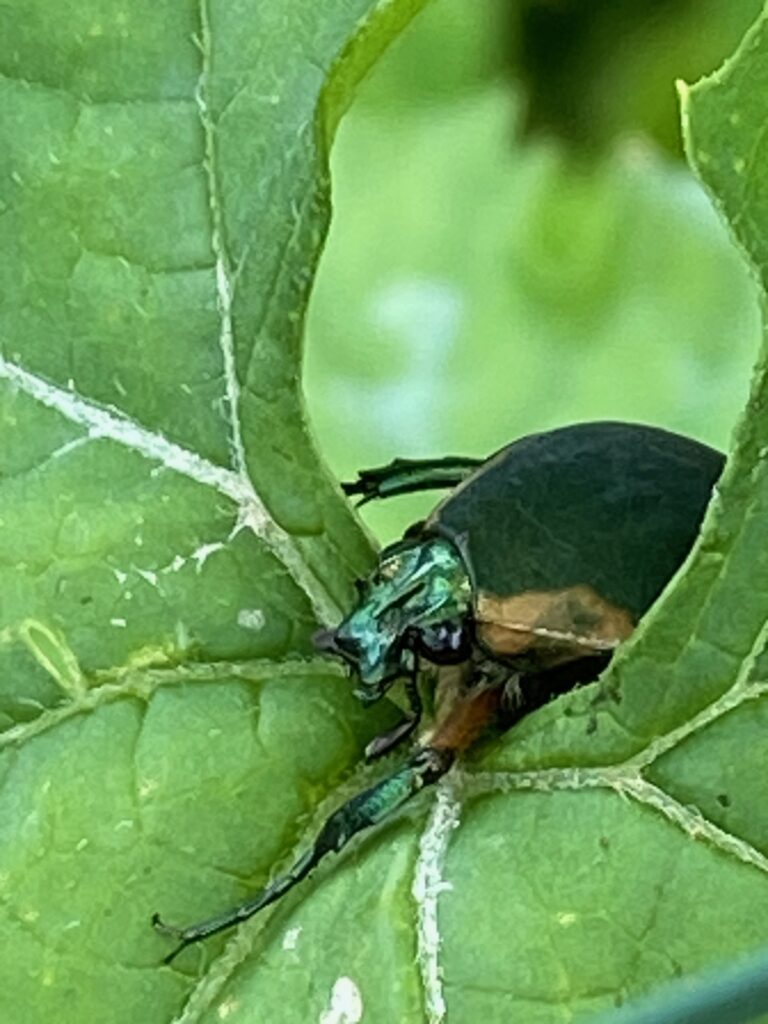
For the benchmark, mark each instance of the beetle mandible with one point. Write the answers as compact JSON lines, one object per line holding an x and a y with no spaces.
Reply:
{"x":518,"y":586}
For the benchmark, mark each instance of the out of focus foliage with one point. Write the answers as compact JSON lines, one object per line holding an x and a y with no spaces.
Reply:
{"x":595,"y":68}
{"x":480,"y":282}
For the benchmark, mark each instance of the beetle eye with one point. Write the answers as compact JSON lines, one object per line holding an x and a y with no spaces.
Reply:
{"x":445,"y":643}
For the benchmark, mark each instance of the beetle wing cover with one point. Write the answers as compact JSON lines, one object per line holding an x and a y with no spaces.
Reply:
{"x":611,"y":506}
{"x":559,"y":625}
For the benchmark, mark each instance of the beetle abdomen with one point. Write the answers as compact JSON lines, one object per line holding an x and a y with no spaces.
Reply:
{"x":610,"y":506}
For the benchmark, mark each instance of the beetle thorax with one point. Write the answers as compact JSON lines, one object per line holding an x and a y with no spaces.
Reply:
{"x":419,"y":591}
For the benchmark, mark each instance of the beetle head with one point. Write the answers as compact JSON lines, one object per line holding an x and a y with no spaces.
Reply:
{"x":416,"y":586}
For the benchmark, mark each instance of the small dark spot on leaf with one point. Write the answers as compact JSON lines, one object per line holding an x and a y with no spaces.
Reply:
{"x":723,"y":799}
{"x":591,"y":725}
{"x":605,"y":843}
{"x":609,"y":692}
{"x":677,"y":969}
{"x":618,"y":999}
{"x":86,"y":600}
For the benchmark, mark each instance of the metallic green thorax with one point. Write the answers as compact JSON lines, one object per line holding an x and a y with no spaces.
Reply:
{"x":414,"y":587}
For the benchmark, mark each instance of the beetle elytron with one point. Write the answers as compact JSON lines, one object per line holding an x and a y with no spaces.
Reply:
{"x":519,"y":585}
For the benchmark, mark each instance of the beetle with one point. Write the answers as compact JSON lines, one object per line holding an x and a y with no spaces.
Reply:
{"x":519,"y":585}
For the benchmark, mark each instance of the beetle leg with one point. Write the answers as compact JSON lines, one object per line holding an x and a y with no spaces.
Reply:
{"x":467,"y":718}
{"x":404,"y":476}
{"x":511,"y":694}
{"x":424,"y":767}
{"x":387,"y":741}
{"x":462,"y":725}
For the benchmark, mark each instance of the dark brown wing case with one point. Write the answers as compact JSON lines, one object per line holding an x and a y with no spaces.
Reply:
{"x":610,"y":507}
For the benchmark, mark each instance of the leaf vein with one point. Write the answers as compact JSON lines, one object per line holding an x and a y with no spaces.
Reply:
{"x":742,"y":689}
{"x":112,"y":424}
{"x":627,"y":782}
{"x":225,"y":282}
{"x":142,"y":683}
{"x":427,"y":885}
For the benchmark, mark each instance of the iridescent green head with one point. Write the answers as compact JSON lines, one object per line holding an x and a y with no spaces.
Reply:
{"x":417,"y":600}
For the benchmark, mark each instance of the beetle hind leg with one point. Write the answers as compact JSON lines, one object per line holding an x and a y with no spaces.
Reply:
{"x":406,"y":476}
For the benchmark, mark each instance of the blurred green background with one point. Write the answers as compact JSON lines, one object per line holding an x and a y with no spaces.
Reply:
{"x":517,"y":242}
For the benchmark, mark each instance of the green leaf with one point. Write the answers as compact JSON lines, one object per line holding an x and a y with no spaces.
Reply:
{"x":610,"y":842}
{"x":169,"y":542}
{"x":737,"y":994}
{"x":169,"y":538}
{"x":624,"y":893}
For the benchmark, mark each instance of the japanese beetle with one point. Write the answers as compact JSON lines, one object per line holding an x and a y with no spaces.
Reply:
{"x":519,"y":585}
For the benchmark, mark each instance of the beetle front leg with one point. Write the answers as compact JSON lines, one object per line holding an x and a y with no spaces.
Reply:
{"x":423,"y":768}
{"x":461,"y":726}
